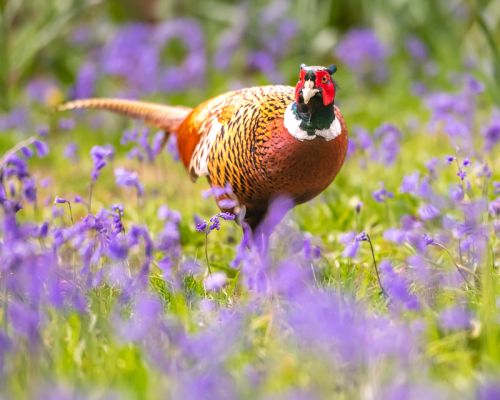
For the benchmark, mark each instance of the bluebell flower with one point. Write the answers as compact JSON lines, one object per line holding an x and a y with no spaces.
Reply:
{"x":127,"y":178}
{"x":364,"y":54}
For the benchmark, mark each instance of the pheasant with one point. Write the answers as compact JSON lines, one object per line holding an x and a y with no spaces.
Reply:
{"x":263,"y":141}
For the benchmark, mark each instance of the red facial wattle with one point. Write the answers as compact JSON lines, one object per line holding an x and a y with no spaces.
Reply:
{"x":325,"y":82}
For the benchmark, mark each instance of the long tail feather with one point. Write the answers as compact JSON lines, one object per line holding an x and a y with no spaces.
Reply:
{"x":167,"y":118}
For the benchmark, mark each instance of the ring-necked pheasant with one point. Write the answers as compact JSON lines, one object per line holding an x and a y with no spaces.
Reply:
{"x":264,"y":141}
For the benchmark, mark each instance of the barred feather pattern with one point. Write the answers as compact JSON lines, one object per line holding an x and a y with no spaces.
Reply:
{"x":167,"y":118}
{"x":239,"y":138}
{"x":242,"y":141}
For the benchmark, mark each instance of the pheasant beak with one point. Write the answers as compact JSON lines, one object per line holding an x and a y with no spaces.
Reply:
{"x":308,"y":91}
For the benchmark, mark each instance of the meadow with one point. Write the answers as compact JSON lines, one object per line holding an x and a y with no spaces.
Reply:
{"x":121,"y":279}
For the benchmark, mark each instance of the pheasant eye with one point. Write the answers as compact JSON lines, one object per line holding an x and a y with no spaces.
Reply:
{"x":324,"y":79}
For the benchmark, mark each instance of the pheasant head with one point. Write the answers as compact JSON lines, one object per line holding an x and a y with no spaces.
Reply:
{"x":312,"y":114}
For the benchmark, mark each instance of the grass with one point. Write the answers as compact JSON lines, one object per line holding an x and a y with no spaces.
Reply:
{"x":82,"y":352}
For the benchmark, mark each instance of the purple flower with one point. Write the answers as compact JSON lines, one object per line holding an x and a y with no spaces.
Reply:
{"x":381,"y":195}
{"x":490,"y":390}
{"x":456,"y":193}
{"x":67,"y":124}
{"x":17,"y":167}
{"x":395,"y":235}
{"x":217,"y":191}
{"x":417,"y":49}
{"x":214,"y":223}
{"x":41,"y":148}
{"x":27,"y":152}
{"x":389,"y":137}
{"x":397,"y":288}
{"x":351,"y":245}
{"x":215,"y":281}
{"x":71,"y":152}
{"x":410,"y":183}
{"x":364,"y":54}
{"x":362,"y":237}
{"x":118,"y":248}
{"x":200,"y":224}
{"x":265,"y":63}
{"x":128,"y":179}
{"x":29,"y":189}
{"x":455,"y":318}
{"x":100,"y":156}
{"x":494,"y":207}
{"x":227,"y":216}
{"x":428,"y":211}
{"x":131,"y":50}
{"x":42,"y":89}
{"x":85,"y":81}
{"x":42,"y":130}
{"x":117,"y":219}
{"x":191,"y":72}
{"x":491,"y":133}
{"x":227,"y":204}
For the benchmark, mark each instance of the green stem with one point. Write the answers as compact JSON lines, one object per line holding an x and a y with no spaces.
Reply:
{"x":4,"y":56}
{"x":206,"y":252}
{"x":375,"y":266}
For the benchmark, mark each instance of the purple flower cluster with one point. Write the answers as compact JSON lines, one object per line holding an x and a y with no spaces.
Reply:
{"x":138,"y":47}
{"x":101,"y":155}
{"x":50,"y":267}
{"x":364,"y":54}
{"x":269,"y":44}
{"x":383,"y":146}
{"x":454,"y":112}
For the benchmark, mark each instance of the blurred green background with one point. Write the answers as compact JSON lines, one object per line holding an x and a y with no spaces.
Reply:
{"x":55,"y":38}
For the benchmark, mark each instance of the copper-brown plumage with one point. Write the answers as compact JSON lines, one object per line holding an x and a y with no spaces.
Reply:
{"x":240,"y":138}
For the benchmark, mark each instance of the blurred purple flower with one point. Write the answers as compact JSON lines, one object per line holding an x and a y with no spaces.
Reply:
{"x":489,"y":390}
{"x":351,"y":245}
{"x":71,"y":152}
{"x":455,"y":318}
{"x":200,"y":224}
{"x":100,"y":157}
{"x":127,"y":178}
{"x":27,"y":152}
{"x":17,"y":167}
{"x":428,"y":211}
{"x":85,"y":81}
{"x":42,"y":149}
{"x":389,"y":137}
{"x":42,"y":89}
{"x":417,"y":49}
{"x":264,"y":62}
{"x":66,"y":124}
{"x":395,"y":235}
{"x":131,"y":50}
{"x":215,"y":281}
{"x":381,"y":195}
{"x":410,"y":183}
{"x":491,"y":133}
{"x":494,"y":207}
{"x":397,"y":288}
{"x":118,"y":248}
{"x":364,"y":54}
{"x":29,"y":189}
{"x":191,"y":72}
